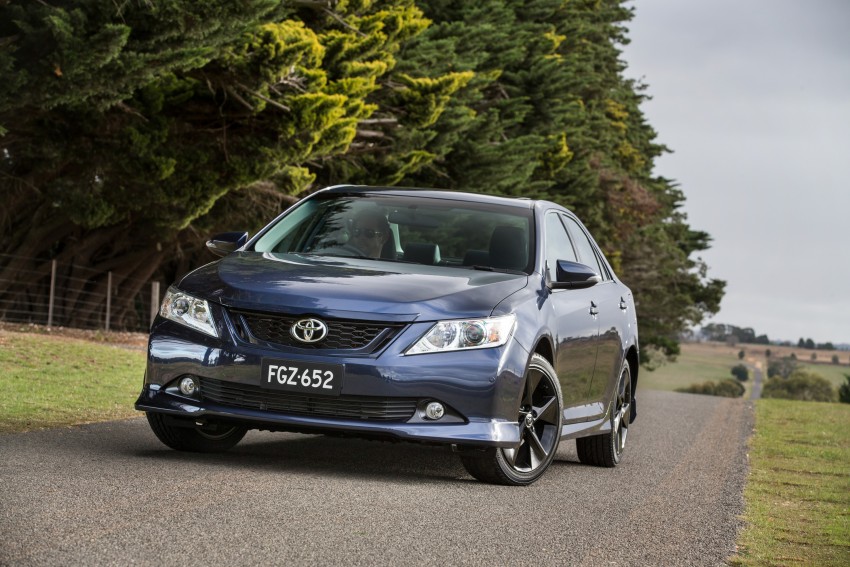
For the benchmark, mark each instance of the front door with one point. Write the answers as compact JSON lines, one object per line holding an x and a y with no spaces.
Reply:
{"x":576,"y":325}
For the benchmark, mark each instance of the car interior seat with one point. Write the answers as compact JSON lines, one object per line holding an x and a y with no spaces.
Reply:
{"x":509,"y":248}
{"x":476,"y":258}
{"x":422,"y":253}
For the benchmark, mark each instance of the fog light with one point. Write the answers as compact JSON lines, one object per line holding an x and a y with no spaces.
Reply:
{"x":188,"y":386}
{"x":435,"y":410}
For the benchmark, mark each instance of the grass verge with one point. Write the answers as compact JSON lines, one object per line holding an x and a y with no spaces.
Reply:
{"x":696,"y":364}
{"x":798,"y":493}
{"x":50,"y":381}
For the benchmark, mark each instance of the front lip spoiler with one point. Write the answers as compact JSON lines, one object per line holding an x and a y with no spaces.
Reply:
{"x":475,"y":433}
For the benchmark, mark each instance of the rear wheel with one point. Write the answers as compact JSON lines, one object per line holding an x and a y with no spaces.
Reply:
{"x":540,"y":417}
{"x":213,"y":438}
{"x":606,"y":450}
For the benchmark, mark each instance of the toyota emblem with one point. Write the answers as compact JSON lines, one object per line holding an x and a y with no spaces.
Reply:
{"x":309,"y":330}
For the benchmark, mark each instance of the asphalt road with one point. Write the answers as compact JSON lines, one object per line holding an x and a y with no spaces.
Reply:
{"x":110,"y":494}
{"x":757,"y":382}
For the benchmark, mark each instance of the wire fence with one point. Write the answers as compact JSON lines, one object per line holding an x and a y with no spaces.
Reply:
{"x":48,"y":292}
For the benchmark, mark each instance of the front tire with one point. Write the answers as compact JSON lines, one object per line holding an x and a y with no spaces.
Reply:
{"x":540,"y":418}
{"x":195,"y":438}
{"x":606,"y":449}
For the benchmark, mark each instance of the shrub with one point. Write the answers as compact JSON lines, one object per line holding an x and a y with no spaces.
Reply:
{"x":835,"y":359}
{"x":783,"y":367}
{"x":800,"y":385}
{"x":725,"y":388}
{"x":740,"y":372}
{"x":741,"y":354}
{"x":844,"y":391}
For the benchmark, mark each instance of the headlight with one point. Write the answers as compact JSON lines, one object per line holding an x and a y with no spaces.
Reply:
{"x":187,"y":310}
{"x":465,"y":334}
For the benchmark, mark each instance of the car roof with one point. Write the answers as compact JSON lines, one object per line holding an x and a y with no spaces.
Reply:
{"x":519,"y":202}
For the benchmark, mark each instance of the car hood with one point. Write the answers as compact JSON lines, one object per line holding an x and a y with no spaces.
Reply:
{"x":349,"y":287}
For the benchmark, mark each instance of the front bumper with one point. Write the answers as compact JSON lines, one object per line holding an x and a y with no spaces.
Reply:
{"x":480,"y":388}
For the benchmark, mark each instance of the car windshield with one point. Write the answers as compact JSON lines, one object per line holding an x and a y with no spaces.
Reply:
{"x":407,"y":228}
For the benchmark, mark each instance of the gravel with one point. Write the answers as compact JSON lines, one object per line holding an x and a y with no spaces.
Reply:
{"x":110,"y":493}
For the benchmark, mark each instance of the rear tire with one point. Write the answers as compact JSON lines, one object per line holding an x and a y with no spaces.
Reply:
{"x":606,"y":449}
{"x":540,"y":418}
{"x":196,"y":439}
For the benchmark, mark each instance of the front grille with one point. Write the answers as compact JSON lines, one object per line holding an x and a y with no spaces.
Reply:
{"x":349,"y":407}
{"x":344,"y":335}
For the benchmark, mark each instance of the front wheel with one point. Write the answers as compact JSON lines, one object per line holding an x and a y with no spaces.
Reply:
{"x":539,"y":419}
{"x":195,"y":438}
{"x":606,"y":449}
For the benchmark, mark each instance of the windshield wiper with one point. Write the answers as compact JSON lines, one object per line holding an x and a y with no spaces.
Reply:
{"x":332,"y":255}
{"x":492,"y":269}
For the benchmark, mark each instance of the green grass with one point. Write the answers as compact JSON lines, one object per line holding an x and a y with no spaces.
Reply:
{"x":691,"y":367}
{"x":832,"y":372}
{"x":798,"y":493}
{"x":48,"y":381}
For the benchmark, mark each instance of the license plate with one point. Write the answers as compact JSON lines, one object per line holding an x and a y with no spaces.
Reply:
{"x":311,"y":378}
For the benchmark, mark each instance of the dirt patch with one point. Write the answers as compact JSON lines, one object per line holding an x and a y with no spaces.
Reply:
{"x":759,"y":352}
{"x":118,"y":338}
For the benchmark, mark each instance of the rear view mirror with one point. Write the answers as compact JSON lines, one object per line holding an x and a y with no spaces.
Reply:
{"x":226,"y":242}
{"x":572,"y":275}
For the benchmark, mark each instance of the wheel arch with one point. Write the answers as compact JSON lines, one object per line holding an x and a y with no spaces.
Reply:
{"x":634,"y":365}
{"x":545,"y":349}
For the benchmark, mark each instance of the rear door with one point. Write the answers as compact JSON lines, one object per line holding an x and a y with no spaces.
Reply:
{"x":610,"y":310}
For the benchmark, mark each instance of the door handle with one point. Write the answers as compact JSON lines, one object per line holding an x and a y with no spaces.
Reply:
{"x":623,"y":304}
{"x":593,"y":309}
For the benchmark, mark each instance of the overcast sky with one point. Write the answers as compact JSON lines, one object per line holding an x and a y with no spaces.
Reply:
{"x":753,"y":97}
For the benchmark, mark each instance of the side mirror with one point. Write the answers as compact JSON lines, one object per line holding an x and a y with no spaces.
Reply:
{"x":572,"y":275}
{"x":226,"y":242}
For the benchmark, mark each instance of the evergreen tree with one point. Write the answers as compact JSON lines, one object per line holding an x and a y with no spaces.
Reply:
{"x":131,"y":130}
{"x":126,"y":124}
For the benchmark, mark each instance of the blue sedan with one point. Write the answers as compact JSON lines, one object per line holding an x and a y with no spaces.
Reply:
{"x":491,"y":325}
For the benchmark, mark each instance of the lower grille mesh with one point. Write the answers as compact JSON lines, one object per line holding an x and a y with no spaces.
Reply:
{"x":348,"y":407}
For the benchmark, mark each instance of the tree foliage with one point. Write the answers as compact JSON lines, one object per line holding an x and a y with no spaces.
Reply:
{"x":782,"y":367}
{"x":741,"y":372}
{"x":722,"y":332}
{"x":844,"y":390}
{"x":132,"y":130}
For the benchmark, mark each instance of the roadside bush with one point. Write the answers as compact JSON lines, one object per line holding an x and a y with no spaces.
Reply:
{"x":801,"y":385}
{"x":725,"y":388}
{"x":844,"y":391}
{"x":740,"y":372}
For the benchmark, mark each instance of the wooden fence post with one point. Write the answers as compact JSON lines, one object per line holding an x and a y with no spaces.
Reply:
{"x":108,"y":298}
{"x":52,"y":293}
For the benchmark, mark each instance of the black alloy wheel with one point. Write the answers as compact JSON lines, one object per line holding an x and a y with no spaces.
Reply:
{"x":539,"y":420}
{"x":212,"y":438}
{"x":606,"y":450}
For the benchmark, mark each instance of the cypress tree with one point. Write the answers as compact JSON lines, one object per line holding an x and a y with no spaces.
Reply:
{"x":131,"y":129}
